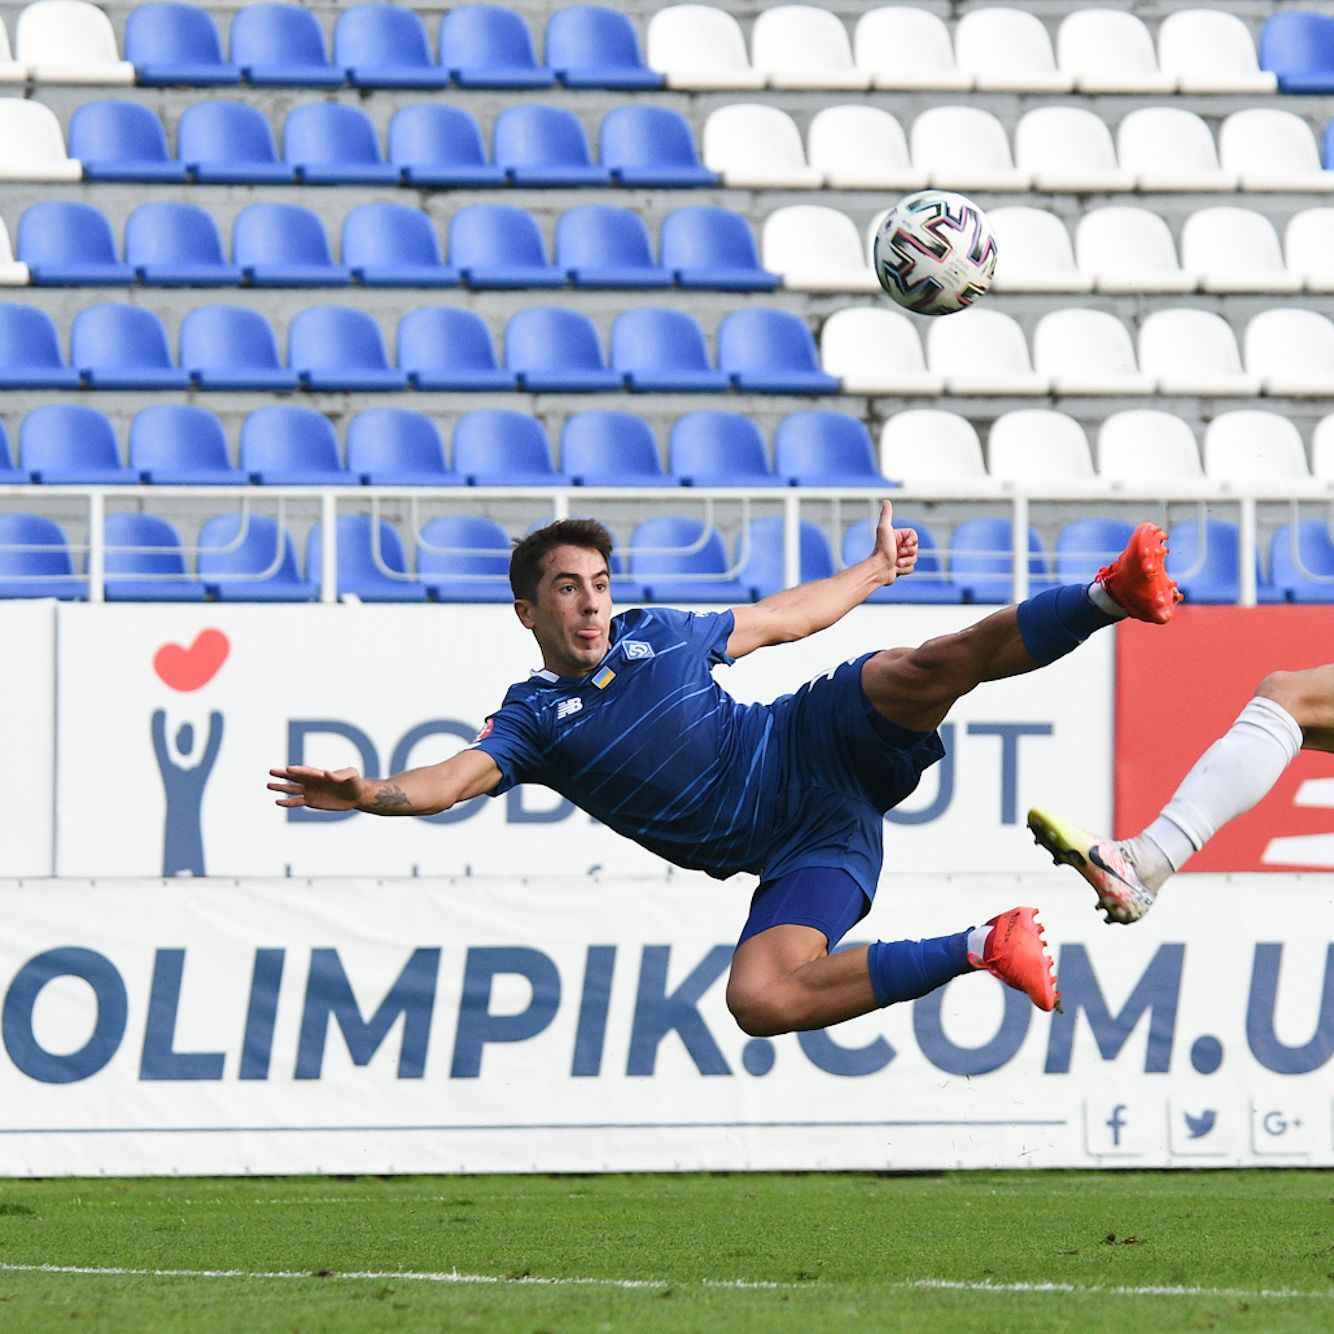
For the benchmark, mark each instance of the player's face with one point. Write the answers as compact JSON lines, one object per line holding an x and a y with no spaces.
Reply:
{"x":571,"y":614}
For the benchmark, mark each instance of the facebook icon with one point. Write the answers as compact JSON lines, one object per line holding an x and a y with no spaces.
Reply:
{"x":1115,"y":1122}
{"x":1119,"y":1129}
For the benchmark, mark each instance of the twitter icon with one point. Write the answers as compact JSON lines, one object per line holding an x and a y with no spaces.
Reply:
{"x":1197,"y":1127}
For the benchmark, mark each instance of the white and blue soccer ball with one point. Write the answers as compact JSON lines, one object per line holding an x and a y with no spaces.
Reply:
{"x":934,"y":253}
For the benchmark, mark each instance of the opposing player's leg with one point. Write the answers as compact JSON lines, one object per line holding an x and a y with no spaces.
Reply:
{"x":1291,"y":711}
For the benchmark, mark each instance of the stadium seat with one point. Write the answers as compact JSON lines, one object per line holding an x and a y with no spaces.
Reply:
{"x":370,"y":564}
{"x":281,"y":45}
{"x":719,"y":449}
{"x":1193,"y":352}
{"x":435,"y":145}
{"x":1292,"y":351}
{"x":1035,"y":254}
{"x":760,"y":555}
{"x":9,"y":474}
{"x":66,"y":444}
{"x":1211,"y":51}
{"x":982,"y":560}
{"x":1204,"y":559}
{"x":1005,"y":50}
{"x":177,"y":444}
{"x":604,"y":246}
{"x":330,"y":144}
{"x":32,"y":145}
{"x":1068,"y":149}
{"x":292,"y":446}
{"x":499,"y":245}
{"x":905,"y":47}
{"x":1250,"y":446}
{"x":699,"y":48}
{"x":66,"y":244}
{"x":1306,"y":248}
{"x":610,"y":448}
{"x":554,"y":350}
{"x":594,"y":46}
{"x":394,"y":245}
{"x":464,"y":558}
{"x":650,"y":146}
{"x":1322,"y":449}
{"x":284,"y":245}
{"x":121,"y":141}
{"x":170,"y":43}
{"x":1235,"y":250}
{"x":385,"y":46}
{"x":823,"y":448}
{"x":544,"y":146}
{"x":712,"y":247}
{"x":874,"y":350}
{"x":30,"y":355}
{"x":931,"y":448}
{"x":1130,"y":250}
{"x":500,"y":447}
{"x":340,"y":348}
{"x":757,"y":147}
{"x":857,"y":147}
{"x":229,"y":143}
{"x":250,"y":557}
{"x":1146,"y":447}
{"x":1087,"y":352}
{"x":983,"y":352}
{"x":1037,"y":446}
{"x":683,"y":559}
{"x":1084,"y":546}
{"x":177,"y":245}
{"x":11,"y":71}
{"x":1301,"y":561}
{"x":398,"y":447}
{"x":489,"y":46}
{"x":232,"y":347}
{"x":771,"y":352}
{"x":928,"y":584}
{"x":805,"y":47}
{"x":13,"y":272}
{"x":1110,"y":51}
{"x":1297,"y":46}
{"x":964,"y":148}
{"x":1168,"y":148}
{"x":35,"y":559}
{"x":144,"y":561}
{"x":816,"y":249}
{"x":69,"y":41}
{"x":115,"y":346}
{"x":449,"y":348}
{"x":1270,"y":149}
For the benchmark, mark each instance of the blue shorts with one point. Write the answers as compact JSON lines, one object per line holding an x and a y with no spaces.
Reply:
{"x":826,"y":898}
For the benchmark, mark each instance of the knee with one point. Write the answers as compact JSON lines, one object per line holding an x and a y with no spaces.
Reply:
{"x":1286,"y":689}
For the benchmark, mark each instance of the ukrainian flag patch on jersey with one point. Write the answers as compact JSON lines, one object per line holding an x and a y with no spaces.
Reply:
{"x":604,"y":678}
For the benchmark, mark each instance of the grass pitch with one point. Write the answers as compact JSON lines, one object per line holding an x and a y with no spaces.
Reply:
{"x":1021,"y":1251}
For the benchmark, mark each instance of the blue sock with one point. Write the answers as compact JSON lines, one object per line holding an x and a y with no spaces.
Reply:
{"x":905,"y":969}
{"x":1053,"y":622}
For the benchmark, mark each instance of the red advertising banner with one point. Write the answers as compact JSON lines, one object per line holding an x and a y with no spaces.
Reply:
{"x":1180,"y":688}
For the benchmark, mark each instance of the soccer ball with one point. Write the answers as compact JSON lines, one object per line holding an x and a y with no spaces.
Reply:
{"x":934,"y":253}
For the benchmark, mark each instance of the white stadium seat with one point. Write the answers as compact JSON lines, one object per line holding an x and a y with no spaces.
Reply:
{"x":1069,"y":149}
{"x":757,"y":147}
{"x":13,"y":272}
{"x":932,"y":448}
{"x":1253,"y":446}
{"x":699,"y":47}
{"x":1292,"y":351}
{"x":1235,"y":250}
{"x":1308,"y":246}
{"x":32,"y":146}
{"x":964,"y":148}
{"x":1129,"y":250}
{"x":874,"y":350}
{"x":1193,"y":352}
{"x":1038,"y":445}
{"x":1034,"y":253}
{"x":1087,"y":352}
{"x":1008,"y":51}
{"x":11,"y":70}
{"x":802,"y":46}
{"x":69,"y":41}
{"x":1168,"y":148}
{"x":857,"y":147}
{"x":1147,"y":447}
{"x":1270,"y":149}
{"x":903,"y":47}
{"x":1211,"y":51}
{"x":1109,"y":51}
{"x":814,"y":248}
{"x":1322,"y":449}
{"x":981,"y":351}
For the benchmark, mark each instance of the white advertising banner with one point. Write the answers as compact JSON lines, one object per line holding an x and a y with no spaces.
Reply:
{"x":170,"y":718}
{"x":27,"y":733}
{"x":578,"y":1024}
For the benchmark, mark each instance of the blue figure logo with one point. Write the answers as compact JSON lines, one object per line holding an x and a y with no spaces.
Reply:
{"x":183,"y":782}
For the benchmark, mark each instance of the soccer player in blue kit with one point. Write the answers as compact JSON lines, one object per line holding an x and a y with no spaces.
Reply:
{"x":626,"y":720}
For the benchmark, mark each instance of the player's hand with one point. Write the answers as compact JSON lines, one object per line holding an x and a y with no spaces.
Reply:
{"x":896,"y":546}
{"x":317,"y":789}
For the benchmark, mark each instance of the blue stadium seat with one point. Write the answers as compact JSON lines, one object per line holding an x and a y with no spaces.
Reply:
{"x":557,"y":351}
{"x":440,"y":146}
{"x":121,"y":141}
{"x":771,"y":352}
{"x":760,"y":556}
{"x":385,"y":46}
{"x":292,"y":446}
{"x":115,"y":346}
{"x":370,"y":561}
{"x":1205,"y":560}
{"x":1084,"y":546}
{"x":489,"y":46}
{"x":603,"y":246}
{"x":340,"y":348}
{"x":592,"y":46}
{"x":251,"y":558}
{"x":982,"y":560}
{"x":1298,"y":46}
{"x":177,"y":444}
{"x":35,"y":559}
{"x":604,"y":448}
{"x":30,"y":356}
{"x":500,"y":447}
{"x":719,"y":449}
{"x":713,"y":247}
{"x":651,"y":146}
{"x":230,"y":143}
{"x":145,"y":561}
{"x":826,"y":449}
{"x":176,"y":44}
{"x":663,"y":351}
{"x":65,"y":244}
{"x":394,"y":245}
{"x":232,"y":347}
{"x":1301,"y":559}
{"x":9,"y":474}
{"x":67,"y":444}
{"x":544,"y":146}
{"x":499,"y":245}
{"x":464,"y":558}
{"x":284,"y":245}
{"x":449,"y":348}
{"x":282,"y":45}
{"x":683,"y":559}
{"x":331,"y":144}
{"x":177,"y":245}
{"x":928,"y":583}
{"x":398,"y":447}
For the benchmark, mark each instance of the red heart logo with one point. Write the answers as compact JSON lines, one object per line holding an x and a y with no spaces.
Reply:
{"x":189,"y":668}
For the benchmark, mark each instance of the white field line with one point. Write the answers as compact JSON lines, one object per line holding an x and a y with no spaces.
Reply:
{"x":453,"y":1276}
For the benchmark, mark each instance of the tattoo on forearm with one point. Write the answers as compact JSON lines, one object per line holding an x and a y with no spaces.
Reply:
{"x":391,"y":797}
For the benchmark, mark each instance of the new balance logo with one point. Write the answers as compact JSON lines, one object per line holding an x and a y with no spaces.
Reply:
{"x":636,"y":648}
{"x":568,"y":706}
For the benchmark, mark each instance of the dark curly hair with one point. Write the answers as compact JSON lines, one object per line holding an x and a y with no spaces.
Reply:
{"x":526,"y":558}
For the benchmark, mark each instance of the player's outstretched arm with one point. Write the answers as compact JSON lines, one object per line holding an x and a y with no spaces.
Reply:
{"x":426,"y":791}
{"x":797,"y":612}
